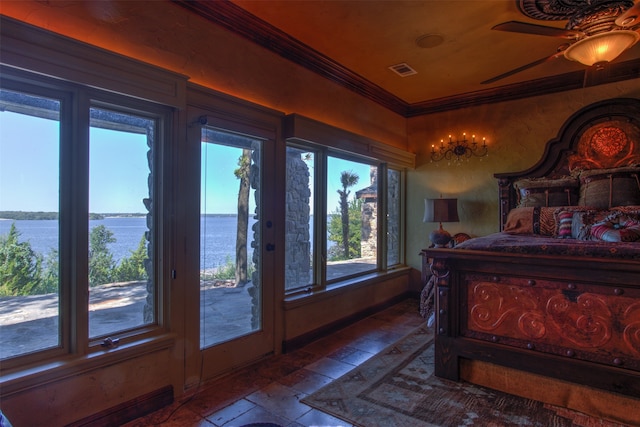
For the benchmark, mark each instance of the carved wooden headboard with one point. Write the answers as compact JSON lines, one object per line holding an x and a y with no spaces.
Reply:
{"x":603,"y":135}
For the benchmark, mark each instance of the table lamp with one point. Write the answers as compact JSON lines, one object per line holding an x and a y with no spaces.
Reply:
{"x":440,"y":210}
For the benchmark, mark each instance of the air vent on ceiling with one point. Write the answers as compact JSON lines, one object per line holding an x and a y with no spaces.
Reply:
{"x":403,"y":70}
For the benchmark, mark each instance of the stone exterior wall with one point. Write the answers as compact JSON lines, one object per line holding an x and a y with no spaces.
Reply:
{"x":255,"y":290}
{"x":297,"y":237}
{"x":393,"y":217}
{"x":369,"y":242}
{"x":148,"y":313}
{"x":369,"y":196}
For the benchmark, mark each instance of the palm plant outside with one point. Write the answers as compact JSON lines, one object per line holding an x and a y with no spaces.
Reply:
{"x":347,"y":179}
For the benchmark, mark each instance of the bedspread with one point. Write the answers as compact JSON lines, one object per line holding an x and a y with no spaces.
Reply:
{"x":541,"y":245}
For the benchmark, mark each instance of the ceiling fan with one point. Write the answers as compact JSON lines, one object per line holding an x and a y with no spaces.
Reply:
{"x":597,"y":32}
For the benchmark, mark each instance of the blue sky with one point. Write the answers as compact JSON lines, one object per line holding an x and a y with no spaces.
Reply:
{"x":29,"y":161}
{"x":29,"y":178}
{"x":221,"y":190}
{"x":118,"y":171}
{"x":29,"y":164}
{"x":223,"y":160}
{"x":335,"y":168}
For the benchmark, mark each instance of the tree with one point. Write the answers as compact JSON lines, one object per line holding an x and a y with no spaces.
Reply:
{"x":132,"y":268}
{"x":50,"y":274}
{"x":243,"y":174}
{"x":347,"y":179}
{"x":334,"y":229}
{"x":20,"y":266}
{"x":101,"y":263}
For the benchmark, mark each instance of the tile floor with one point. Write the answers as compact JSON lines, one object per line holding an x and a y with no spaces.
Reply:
{"x":271,"y":391}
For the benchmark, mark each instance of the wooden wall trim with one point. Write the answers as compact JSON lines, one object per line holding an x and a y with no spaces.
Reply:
{"x":243,"y":23}
{"x":25,"y":46}
{"x":547,"y":85}
{"x":610,"y":73}
{"x":298,"y":342}
{"x":297,"y":127}
{"x":128,"y":411}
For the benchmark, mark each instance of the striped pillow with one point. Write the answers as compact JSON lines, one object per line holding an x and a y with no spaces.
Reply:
{"x":565,"y":223}
{"x":618,"y":229}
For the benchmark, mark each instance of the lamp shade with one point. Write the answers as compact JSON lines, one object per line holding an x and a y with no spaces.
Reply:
{"x":604,"y":47}
{"x":441,"y":210}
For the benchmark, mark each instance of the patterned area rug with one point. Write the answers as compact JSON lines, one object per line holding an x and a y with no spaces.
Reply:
{"x":397,"y":388}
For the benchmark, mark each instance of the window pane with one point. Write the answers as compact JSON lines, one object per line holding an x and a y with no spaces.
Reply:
{"x":352,"y":201}
{"x":299,"y":220}
{"x":29,"y":205}
{"x":121,"y":282}
{"x":393,"y":217}
{"x":230,"y":292}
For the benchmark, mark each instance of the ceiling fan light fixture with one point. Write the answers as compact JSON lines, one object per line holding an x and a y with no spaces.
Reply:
{"x":604,"y":47}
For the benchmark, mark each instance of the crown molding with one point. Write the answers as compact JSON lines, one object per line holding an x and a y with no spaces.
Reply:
{"x":237,"y":20}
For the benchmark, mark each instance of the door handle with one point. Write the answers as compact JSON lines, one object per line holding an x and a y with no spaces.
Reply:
{"x":270,"y":247}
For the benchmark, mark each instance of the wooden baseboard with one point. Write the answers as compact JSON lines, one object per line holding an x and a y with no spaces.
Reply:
{"x":302,"y":340}
{"x":128,"y":411}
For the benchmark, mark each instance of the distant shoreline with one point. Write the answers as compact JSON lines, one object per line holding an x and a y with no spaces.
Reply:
{"x":41,"y":215}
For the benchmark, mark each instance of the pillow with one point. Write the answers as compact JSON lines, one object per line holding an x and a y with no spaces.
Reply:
{"x":604,"y":188}
{"x":617,"y":229}
{"x":543,"y":221}
{"x":631,"y":210}
{"x":538,"y":192}
{"x":521,"y":221}
{"x":548,"y":221}
{"x":565,"y":219}
{"x":581,"y":225}
{"x":565,"y":224}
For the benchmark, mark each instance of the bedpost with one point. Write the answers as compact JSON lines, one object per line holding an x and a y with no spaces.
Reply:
{"x":446,"y":361}
{"x":505,"y":196}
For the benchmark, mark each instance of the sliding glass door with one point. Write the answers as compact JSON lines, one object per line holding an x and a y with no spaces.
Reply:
{"x":230,"y":303}
{"x":234,"y":324}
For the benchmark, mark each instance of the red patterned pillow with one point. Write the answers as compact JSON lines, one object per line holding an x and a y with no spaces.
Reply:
{"x":617,"y":229}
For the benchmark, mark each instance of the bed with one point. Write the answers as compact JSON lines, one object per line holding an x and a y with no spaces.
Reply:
{"x":556,"y":292}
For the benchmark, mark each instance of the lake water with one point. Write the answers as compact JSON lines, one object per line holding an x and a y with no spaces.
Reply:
{"x":218,"y":245}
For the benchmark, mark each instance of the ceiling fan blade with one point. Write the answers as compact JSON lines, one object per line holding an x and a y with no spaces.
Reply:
{"x":540,"y":30}
{"x":630,"y":17}
{"x":522,"y":68}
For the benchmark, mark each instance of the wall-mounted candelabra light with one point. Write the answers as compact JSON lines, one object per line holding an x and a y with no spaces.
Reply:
{"x":458,"y":150}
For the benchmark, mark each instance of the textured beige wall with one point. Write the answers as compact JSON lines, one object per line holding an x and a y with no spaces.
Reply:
{"x":516,"y":131}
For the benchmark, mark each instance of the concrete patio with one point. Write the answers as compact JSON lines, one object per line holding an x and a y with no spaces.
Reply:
{"x":30,"y":323}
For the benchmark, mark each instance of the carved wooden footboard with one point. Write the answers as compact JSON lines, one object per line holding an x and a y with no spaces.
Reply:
{"x":568,"y":318}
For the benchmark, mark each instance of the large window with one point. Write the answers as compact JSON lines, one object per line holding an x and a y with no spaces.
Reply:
{"x":343,"y":217}
{"x":29,"y":224}
{"x":121,"y":151}
{"x":351,"y":217}
{"x":81,"y":192}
